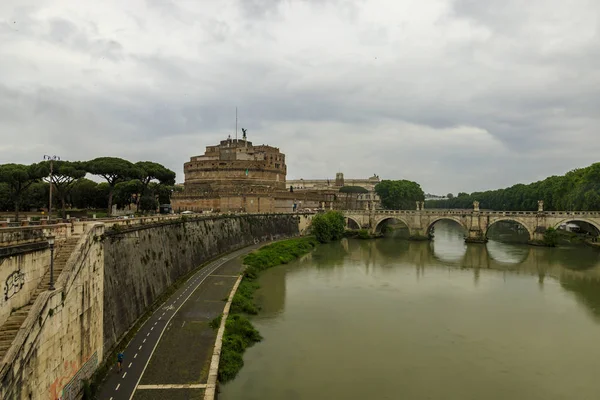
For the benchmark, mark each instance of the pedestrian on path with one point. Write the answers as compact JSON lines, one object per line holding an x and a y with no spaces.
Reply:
{"x":120,"y":357}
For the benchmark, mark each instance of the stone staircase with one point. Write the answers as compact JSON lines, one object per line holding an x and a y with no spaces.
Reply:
{"x":9,"y":330}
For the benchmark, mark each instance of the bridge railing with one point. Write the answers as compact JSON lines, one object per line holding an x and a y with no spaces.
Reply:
{"x":565,"y":214}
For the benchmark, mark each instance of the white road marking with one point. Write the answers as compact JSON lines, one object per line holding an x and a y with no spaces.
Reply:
{"x":151,"y":329}
{"x":144,"y":341}
{"x":140,"y":348}
{"x":129,"y":366}
{"x":159,"y":318}
{"x":117,"y":388}
{"x":155,"y":323}
{"x":124,"y":374}
{"x":148,"y":334}
{"x":183,"y":324}
{"x":163,"y":331}
{"x":135,"y":355}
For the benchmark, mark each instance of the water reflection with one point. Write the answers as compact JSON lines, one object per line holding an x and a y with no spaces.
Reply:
{"x":481,"y":321}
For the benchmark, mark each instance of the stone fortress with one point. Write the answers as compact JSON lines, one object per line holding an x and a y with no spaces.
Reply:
{"x":236,"y":166}
{"x":237,"y":176}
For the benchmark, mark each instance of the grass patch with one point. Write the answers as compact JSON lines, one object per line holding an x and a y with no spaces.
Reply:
{"x":239,"y":332}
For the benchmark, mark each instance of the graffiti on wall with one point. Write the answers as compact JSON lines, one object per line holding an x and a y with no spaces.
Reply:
{"x":14,"y":283}
{"x":72,"y":389}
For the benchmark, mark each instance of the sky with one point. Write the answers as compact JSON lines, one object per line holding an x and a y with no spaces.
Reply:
{"x":458,"y":95}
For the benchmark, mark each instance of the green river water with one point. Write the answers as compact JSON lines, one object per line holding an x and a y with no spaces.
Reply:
{"x":392,"y":319}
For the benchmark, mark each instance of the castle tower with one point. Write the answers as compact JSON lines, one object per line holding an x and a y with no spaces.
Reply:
{"x":339,"y":179}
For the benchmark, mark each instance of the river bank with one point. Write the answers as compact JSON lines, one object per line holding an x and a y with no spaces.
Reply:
{"x":239,"y":332}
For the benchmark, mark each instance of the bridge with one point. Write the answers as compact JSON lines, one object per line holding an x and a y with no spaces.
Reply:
{"x":475,"y":222}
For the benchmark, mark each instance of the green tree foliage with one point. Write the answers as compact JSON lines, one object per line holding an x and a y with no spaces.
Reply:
{"x":89,"y":194}
{"x":578,"y":190}
{"x":163,"y":192}
{"x":148,"y":203}
{"x":36,"y":196}
{"x":64,"y":176}
{"x":450,"y":196}
{"x":550,"y":237}
{"x":114,"y":170}
{"x":126,"y":192}
{"x":19,"y":178}
{"x":353,"y":189}
{"x":5,"y":200}
{"x":150,"y":171}
{"x":328,"y":226}
{"x":399,"y":195}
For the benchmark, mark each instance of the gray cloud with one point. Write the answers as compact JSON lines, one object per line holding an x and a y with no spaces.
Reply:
{"x":458,"y":95}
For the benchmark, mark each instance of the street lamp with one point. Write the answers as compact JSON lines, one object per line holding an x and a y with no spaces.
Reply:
{"x":51,"y":159}
{"x":51,"y":244}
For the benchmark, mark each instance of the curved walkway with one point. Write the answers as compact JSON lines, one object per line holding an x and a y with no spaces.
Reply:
{"x":169,"y":357}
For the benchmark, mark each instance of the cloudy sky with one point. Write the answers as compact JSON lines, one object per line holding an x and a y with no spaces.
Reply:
{"x":458,"y":95}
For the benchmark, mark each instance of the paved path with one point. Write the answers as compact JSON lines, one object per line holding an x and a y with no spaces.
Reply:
{"x":170,"y":355}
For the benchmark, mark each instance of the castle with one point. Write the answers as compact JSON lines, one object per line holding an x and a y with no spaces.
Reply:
{"x":237,"y":176}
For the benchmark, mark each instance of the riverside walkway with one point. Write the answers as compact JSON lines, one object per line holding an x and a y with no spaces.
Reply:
{"x":170,"y":355}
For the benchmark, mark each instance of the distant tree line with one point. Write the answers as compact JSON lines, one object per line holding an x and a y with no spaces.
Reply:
{"x":24,"y":187}
{"x":578,"y":190}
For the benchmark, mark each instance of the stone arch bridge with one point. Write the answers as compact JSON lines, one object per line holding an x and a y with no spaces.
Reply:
{"x":475,"y":222}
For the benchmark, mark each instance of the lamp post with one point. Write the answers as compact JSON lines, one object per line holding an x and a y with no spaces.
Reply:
{"x":51,"y":244}
{"x":51,"y":159}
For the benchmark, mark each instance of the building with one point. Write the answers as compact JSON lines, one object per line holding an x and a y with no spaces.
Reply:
{"x":237,"y":176}
{"x":236,"y":166}
{"x":346,"y":201}
{"x":333,"y":184}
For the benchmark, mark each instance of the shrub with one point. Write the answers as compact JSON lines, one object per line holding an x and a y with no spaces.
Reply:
{"x":550,"y":237}
{"x":328,"y":226}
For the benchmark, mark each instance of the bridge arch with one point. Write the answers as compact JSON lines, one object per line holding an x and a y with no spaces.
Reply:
{"x":576,"y":219}
{"x":379,"y":222}
{"x":349,"y":220}
{"x":448,"y":218}
{"x":511,"y":219}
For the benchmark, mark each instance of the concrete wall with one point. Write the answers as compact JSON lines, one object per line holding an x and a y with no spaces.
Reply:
{"x":60,"y":342}
{"x":141,"y":262}
{"x":20,"y":275}
{"x":24,"y":259}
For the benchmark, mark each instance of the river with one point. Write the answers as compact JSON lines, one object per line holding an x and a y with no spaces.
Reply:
{"x":393,"y":319}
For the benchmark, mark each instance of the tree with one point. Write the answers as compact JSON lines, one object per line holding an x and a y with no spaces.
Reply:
{"x":18,"y":178}
{"x":450,"y":196}
{"x":5,"y":200}
{"x":328,"y":226}
{"x":36,"y":196}
{"x":151,"y":171}
{"x":576,"y":190}
{"x":163,"y":192}
{"x":84,"y":193}
{"x":64,"y":175}
{"x":399,"y":195}
{"x":114,"y":170}
{"x":127,"y":193}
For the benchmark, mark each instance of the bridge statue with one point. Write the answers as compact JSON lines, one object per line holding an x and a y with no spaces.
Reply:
{"x":475,"y":222}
